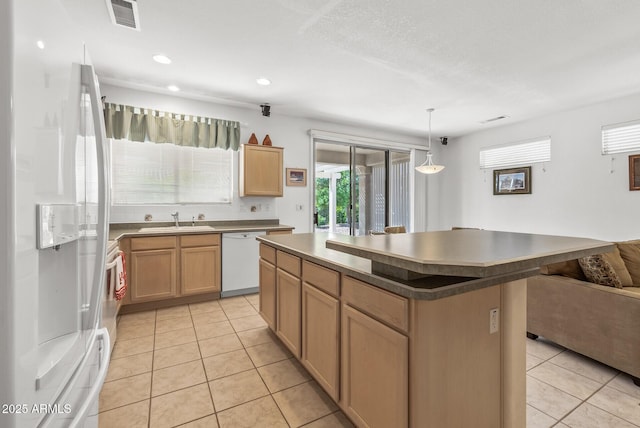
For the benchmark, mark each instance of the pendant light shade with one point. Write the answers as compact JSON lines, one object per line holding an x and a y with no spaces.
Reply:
{"x":428,"y":167}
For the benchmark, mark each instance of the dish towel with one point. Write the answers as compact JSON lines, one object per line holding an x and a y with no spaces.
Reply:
{"x":121,"y":277}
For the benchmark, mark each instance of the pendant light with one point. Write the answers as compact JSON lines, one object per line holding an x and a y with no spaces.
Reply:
{"x":427,"y":166}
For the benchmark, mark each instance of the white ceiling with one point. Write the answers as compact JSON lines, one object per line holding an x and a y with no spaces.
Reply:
{"x":378,"y":63}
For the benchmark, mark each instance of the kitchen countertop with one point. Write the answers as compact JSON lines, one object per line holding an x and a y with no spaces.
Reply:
{"x":467,"y":252}
{"x":524,"y":262}
{"x":121,"y":230}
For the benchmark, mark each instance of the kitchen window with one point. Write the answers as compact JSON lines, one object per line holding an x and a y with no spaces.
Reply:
{"x":151,"y":173}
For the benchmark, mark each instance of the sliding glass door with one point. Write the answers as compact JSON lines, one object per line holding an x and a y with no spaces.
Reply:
{"x":359,"y":190}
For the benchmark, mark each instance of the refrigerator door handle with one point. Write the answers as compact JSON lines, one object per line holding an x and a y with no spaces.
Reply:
{"x":90,"y":80}
{"x":103,"y":340}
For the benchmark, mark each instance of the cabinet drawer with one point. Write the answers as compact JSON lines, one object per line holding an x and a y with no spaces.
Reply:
{"x":268,"y":253}
{"x":288,"y":263}
{"x":385,"y":306}
{"x":200,"y":240}
{"x":325,"y":279}
{"x":153,"y":243}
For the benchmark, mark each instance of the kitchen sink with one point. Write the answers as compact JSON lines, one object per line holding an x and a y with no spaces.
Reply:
{"x":174,"y":229}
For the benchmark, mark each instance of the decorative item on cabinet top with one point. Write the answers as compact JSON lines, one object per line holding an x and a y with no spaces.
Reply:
{"x":253,"y":139}
{"x":267,"y":141}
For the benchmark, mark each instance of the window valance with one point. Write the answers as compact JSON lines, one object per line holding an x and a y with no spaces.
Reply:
{"x":137,"y":124}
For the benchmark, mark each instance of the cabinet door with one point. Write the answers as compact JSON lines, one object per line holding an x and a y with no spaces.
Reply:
{"x":262,"y":171}
{"x":153,"y":275}
{"x":200,"y":270}
{"x":320,"y":338}
{"x":268,"y":293}
{"x":288,"y":310}
{"x":375,"y":380}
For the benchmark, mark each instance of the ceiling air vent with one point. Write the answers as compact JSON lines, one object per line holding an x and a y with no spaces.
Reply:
{"x":124,"y":13}
{"x":493,"y":119}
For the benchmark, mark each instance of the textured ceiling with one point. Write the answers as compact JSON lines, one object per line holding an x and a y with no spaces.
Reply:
{"x":378,"y":63}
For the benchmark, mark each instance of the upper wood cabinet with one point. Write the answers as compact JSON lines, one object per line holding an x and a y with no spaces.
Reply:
{"x":260,"y":170}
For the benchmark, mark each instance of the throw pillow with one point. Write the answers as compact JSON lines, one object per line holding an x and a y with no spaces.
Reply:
{"x":599,"y":271}
{"x":570,"y":268}
{"x":630,"y":252}
{"x":617,"y":263}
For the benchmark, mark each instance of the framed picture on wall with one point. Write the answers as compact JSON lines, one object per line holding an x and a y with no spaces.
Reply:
{"x":634,"y":172}
{"x":512,"y":181}
{"x":296,"y":177}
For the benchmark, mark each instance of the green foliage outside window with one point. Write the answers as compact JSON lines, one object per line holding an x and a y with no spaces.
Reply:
{"x":342,"y":199}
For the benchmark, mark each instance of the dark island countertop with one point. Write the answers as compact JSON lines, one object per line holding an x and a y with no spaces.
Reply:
{"x":439,"y":264}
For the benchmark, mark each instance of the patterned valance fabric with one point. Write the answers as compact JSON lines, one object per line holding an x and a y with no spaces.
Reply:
{"x":137,"y":124}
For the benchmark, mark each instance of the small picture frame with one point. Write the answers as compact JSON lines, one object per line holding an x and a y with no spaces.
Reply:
{"x":296,"y":177}
{"x":513,"y":181}
{"x":634,"y":172}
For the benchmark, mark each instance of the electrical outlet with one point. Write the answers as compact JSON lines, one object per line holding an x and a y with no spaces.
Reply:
{"x":494,"y":320}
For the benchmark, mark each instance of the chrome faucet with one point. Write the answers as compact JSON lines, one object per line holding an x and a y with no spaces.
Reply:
{"x":176,"y":217}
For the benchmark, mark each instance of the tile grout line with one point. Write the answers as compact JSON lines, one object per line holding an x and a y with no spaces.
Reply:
{"x":153,"y":356}
{"x":602,"y":386}
{"x":206,"y":377}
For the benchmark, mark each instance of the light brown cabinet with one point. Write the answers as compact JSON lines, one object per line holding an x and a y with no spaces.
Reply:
{"x":375,"y":372}
{"x":288,"y":291}
{"x":171,"y":266}
{"x":362,"y":344}
{"x":268,"y":293}
{"x":260,"y":170}
{"x":200,"y":264}
{"x":153,"y":268}
{"x":320,"y":338}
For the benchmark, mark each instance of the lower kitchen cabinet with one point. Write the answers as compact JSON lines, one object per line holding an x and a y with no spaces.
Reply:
{"x":288,"y":291}
{"x":153,"y":268}
{"x":200,"y":264}
{"x":268,"y":293}
{"x":171,"y":266}
{"x":200,"y":270}
{"x":375,"y":369}
{"x":320,"y":338}
{"x":154,"y":274}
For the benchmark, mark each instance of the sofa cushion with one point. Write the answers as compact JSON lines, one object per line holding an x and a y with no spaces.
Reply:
{"x":599,"y":271}
{"x":570,"y":268}
{"x":630,"y":253}
{"x":617,"y":263}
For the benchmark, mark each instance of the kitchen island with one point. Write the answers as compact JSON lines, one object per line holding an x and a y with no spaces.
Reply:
{"x":411,"y":330}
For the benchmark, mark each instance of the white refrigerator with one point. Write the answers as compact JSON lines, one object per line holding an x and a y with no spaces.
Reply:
{"x":53,"y":221}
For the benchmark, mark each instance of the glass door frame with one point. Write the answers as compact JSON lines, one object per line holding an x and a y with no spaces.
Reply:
{"x":353,"y":148}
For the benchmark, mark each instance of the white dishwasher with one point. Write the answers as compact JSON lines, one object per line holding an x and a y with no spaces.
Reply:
{"x":240,"y":255}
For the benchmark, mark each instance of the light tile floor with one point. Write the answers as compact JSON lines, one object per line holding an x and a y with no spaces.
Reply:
{"x":565,"y":389}
{"x":212,"y":364}
{"x":216,"y":364}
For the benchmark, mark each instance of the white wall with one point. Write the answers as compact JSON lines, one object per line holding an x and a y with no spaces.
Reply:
{"x":574,"y":194}
{"x":285,"y":131}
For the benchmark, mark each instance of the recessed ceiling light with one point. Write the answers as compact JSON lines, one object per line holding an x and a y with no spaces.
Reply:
{"x":162,"y":59}
{"x":263,"y":81}
{"x":40,"y":44}
{"x":173,"y":88}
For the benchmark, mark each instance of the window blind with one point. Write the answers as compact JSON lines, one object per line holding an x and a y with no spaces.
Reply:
{"x":514,"y":154}
{"x":621,"y":137}
{"x":149,"y":173}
